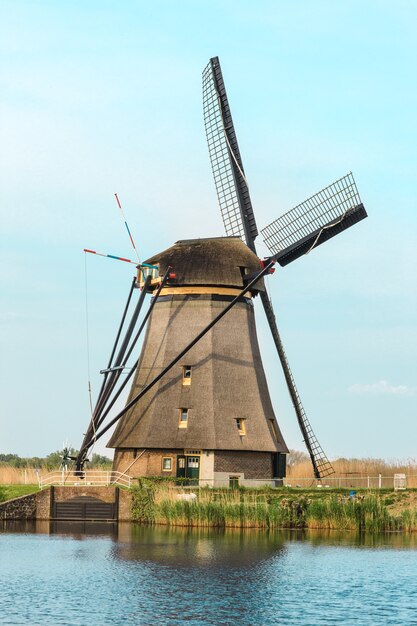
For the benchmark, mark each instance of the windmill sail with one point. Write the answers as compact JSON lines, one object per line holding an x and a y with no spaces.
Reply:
{"x":229,"y":176}
{"x":314,"y":221}
{"x":239,"y":220}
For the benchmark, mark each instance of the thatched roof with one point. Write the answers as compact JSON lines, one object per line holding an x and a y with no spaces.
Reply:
{"x":217,"y":261}
{"x":228,"y":382}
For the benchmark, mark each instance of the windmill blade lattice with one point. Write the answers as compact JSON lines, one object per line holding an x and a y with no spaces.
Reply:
{"x":314,"y":221}
{"x":229,"y":177}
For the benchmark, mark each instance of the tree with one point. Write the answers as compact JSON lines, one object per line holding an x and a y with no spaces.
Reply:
{"x":296,"y":457}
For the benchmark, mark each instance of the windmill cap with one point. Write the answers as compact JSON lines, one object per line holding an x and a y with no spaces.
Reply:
{"x":216,"y":261}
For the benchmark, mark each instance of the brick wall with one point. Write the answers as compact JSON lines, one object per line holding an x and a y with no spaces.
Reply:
{"x":147,"y":464}
{"x":106,"y":494}
{"x":252,"y":464}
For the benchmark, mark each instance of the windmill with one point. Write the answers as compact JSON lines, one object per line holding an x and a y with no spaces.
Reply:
{"x":67,"y":457}
{"x":199,"y":391}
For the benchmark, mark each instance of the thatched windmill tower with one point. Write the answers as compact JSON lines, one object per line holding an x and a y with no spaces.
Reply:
{"x":199,"y":406}
{"x":210,"y":416}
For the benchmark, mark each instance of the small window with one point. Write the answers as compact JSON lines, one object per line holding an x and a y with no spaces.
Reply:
{"x":183,"y":422}
{"x":240,"y":423}
{"x":186,"y":375}
{"x":148,"y":270}
{"x":167,"y":464}
{"x":234,"y":482}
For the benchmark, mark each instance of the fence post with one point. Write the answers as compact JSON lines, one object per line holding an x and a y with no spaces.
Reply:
{"x":368,"y":481}
{"x":379,"y":481}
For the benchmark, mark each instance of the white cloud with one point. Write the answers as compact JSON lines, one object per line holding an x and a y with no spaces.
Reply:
{"x":382,"y":387}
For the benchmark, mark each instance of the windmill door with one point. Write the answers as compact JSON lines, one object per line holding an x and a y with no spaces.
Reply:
{"x":188,"y":467}
{"x":193,"y":467}
{"x":181,"y":468}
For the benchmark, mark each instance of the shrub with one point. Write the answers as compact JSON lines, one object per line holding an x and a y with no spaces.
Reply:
{"x":143,"y":501}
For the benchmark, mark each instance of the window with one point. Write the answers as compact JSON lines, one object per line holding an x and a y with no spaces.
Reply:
{"x":193,"y":462}
{"x":186,"y":374}
{"x":240,"y":423}
{"x":149,"y":270}
{"x":167,"y":464}
{"x":183,"y":420}
{"x":234,"y":482}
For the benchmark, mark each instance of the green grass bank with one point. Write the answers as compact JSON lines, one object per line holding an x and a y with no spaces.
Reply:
{"x":368,"y":511}
{"x":7,"y":492}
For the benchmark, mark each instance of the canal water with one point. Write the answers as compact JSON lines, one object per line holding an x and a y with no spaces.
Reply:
{"x":78,"y":574}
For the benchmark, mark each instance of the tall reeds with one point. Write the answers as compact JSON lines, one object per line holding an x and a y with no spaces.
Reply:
{"x":159,"y":504}
{"x":355,"y":470}
{"x":18,"y":476}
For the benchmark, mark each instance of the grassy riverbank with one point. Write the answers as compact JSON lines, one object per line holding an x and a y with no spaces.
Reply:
{"x":156,"y":503}
{"x":7,"y":492}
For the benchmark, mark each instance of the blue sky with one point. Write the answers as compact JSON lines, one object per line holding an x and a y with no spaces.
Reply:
{"x":100,"y":97}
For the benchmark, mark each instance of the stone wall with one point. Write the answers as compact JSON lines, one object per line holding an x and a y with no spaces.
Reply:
{"x":251,"y":464}
{"x":19,"y":508}
{"x":125,"y":505}
{"x":43,"y":504}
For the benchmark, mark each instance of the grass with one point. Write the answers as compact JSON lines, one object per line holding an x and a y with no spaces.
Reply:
{"x":7,"y":492}
{"x":158,"y":503}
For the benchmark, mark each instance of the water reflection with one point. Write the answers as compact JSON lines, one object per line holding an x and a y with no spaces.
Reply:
{"x":76,"y":530}
{"x":72,"y":573}
{"x":197,"y":546}
{"x":165,"y":542}
{"x":356,"y":539}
